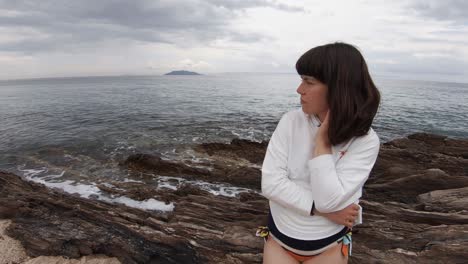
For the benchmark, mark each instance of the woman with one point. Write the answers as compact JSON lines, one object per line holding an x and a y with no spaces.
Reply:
{"x":319,"y":158}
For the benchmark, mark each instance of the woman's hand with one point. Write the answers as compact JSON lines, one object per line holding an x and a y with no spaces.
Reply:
{"x":344,"y":216}
{"x":322,"y":142}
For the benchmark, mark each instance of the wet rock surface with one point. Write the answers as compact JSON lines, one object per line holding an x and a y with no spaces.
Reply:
{"x":237,"y":163}
{"x":414,"y":209}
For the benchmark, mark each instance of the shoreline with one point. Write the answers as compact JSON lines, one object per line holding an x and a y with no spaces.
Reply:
{"x":11,"y":251}
{"x":415,"y":191}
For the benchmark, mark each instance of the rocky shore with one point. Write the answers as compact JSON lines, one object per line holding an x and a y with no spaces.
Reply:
{"x":414,"y":210}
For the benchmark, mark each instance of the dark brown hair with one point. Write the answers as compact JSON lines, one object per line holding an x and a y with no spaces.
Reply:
{"x":352,"y":97}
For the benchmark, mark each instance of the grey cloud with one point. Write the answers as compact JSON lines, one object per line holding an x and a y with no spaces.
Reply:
{"x":241,"y":4}
{"x":85,"y":22}
{"x":438,"y":39}
{"x":406,"y":62}
{"x":289,"y":8}
{"x":449,"y":10}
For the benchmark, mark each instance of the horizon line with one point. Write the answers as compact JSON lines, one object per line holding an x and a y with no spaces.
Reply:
{"x":388,"y":75}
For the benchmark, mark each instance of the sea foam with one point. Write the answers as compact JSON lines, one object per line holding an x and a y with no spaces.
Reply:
{"x":91,"y":190}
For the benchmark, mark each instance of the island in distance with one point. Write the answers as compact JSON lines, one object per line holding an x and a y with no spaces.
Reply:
{"x":182,"y":73}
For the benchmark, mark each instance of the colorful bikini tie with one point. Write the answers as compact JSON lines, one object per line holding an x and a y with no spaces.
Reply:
{"x":347,"y":245}
{"x":262,"y":231}
{"x":346,"y":248}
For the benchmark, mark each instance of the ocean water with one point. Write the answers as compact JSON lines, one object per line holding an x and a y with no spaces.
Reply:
{"x":70,"y":133}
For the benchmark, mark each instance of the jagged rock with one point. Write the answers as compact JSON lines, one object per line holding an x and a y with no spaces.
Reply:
{"x":199,"y":230}
{"x":245,"y":176}
{"x":446,"y":201}
{"x":406,"y":189}
{"x":238,"y":148}
{"x":164,"y":167}
{"x":222,"y":170}
{"x":414,"y":209}
{"x":422,"y":150}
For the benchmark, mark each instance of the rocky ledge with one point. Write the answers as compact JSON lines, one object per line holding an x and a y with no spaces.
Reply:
{"x":414,"y":209}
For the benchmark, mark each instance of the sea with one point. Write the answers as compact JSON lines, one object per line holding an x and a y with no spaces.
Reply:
{"x":72,"y":133}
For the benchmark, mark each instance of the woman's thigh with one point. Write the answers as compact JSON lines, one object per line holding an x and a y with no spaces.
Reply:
{"x":273,"y":253}
{"x":331,"y":255}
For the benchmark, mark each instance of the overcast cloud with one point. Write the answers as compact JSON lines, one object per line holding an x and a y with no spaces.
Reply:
{"x":49,"y":38}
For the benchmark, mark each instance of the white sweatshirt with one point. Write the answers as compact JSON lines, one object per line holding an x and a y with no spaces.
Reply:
{"x":292,"y":179}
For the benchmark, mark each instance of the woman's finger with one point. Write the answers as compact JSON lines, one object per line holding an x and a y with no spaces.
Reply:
{"x":326,"y":120}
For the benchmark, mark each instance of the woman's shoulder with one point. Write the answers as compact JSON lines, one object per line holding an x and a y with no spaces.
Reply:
{"x":371,"y":136}
{"x":370,"y":139}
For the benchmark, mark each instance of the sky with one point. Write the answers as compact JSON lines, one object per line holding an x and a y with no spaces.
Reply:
{"x":413,"y":39}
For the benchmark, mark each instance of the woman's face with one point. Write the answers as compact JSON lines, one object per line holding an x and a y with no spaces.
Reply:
{"x":313,"y":96}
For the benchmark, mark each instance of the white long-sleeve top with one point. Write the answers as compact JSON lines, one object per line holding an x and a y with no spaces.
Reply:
{"x":292,"y":179}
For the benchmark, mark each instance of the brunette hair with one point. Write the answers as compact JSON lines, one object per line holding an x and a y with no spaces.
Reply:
{"x":353,"y":98}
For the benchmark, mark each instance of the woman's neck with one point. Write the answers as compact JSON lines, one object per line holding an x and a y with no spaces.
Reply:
{"x":321,"y":116}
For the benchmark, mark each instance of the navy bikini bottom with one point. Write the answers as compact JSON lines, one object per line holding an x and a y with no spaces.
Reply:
{"x":305,"y":245}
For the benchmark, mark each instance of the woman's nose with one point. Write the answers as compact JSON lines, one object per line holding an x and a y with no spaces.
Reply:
{"x":299,"y":89}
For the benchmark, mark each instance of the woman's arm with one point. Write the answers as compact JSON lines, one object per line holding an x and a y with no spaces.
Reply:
{"x":276,"y":185}
{"x":335,"y":186}
{"x":345,"y":216}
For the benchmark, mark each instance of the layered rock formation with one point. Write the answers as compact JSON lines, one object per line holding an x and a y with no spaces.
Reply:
{"x":414,"y":209}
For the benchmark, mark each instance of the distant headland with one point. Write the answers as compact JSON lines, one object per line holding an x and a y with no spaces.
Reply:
{"x":182,"y":73}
